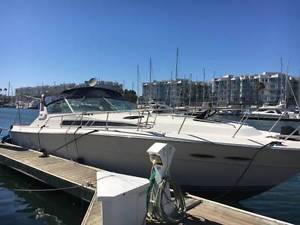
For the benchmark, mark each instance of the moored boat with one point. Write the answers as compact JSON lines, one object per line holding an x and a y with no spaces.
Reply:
{"x":98,"y":127}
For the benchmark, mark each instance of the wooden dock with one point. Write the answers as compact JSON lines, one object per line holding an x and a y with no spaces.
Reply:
{"x":80,"y":180}
{"x":72,"y":177}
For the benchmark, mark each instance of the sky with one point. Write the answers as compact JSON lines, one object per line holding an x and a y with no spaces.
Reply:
{"x":62,"y":41}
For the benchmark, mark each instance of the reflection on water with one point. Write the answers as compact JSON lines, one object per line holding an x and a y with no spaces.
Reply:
{"x":17,"y":207}
{"x":33,"y":208}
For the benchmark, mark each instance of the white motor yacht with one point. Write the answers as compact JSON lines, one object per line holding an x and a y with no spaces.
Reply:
{"x":273,"y":113}
{"x":97,"y":127}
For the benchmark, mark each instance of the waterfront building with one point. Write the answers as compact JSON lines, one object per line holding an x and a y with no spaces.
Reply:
{"x":226,"y":90}
{"x":274,"y":87}
{"x":178,"y":92}
{"x":265,"y":88}
{"x":245,"y":90}
{"x":249,"y":90}
{"x":36,"y":91}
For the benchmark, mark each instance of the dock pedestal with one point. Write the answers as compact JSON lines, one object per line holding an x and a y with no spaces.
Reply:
{"x":123,"y":198}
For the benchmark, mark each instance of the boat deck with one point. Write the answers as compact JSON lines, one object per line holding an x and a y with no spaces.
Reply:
{"x":80,"y":180}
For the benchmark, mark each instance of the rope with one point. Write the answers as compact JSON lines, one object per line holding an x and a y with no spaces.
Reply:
{"x":238,"y":180}
{"x":38,"y":135}
{"x":45,"y":189}
{"x":76,"y":144}
{"x":75,"y":139}
{"x":158,"y":197}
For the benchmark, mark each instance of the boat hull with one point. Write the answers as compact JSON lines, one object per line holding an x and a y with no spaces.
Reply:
{"x":201,"y":168}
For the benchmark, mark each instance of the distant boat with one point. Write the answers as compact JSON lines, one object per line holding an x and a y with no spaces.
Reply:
{"x":33,"y":104}
{"x":229,"y":112}
{"x":273,"y":113}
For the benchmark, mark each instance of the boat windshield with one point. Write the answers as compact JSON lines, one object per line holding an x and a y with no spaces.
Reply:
{"x":87,"y":99}
{"x":99,"y":104}
{"x":89,"y":105}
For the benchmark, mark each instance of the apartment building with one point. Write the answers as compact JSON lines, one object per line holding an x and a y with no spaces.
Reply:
{"x":177,"y":92}
{"x":246,"y":90}
{"x":257,"y":89}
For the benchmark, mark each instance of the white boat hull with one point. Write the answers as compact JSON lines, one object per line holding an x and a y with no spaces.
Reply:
{"x":199,"y":167}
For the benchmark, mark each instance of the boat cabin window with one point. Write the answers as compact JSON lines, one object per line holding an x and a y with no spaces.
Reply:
{"x":59,"y":106}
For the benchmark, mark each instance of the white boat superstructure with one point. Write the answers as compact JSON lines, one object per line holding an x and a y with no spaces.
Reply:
{"x":95,"y":126}
{"x":273,"y":113}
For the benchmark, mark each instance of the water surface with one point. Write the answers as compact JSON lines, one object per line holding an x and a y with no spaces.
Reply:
{"x":33,"y":208}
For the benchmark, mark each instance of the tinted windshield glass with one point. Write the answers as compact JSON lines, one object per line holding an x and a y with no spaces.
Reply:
{"x":99,"y":104}
{"x":59,"y":106}
{"x":117,"y":104}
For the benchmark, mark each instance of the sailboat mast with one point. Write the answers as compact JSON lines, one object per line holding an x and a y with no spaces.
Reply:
{"x":171,"y":89}
{"x":137,"y":83}
{"x":150,"y":79}
{"x":190,"y":90}
{"x":197,"y":91}
{"x":203,"y":90}
{"x":212,"y":93}
{"x":176,"y":76}
{"x":285,"y":85}
{"x":282,"y":97}
{"x":176,"y":68}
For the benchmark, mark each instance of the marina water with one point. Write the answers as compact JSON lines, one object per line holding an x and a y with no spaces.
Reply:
{"x":40,"y":208}
{"x":33,"y":208}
